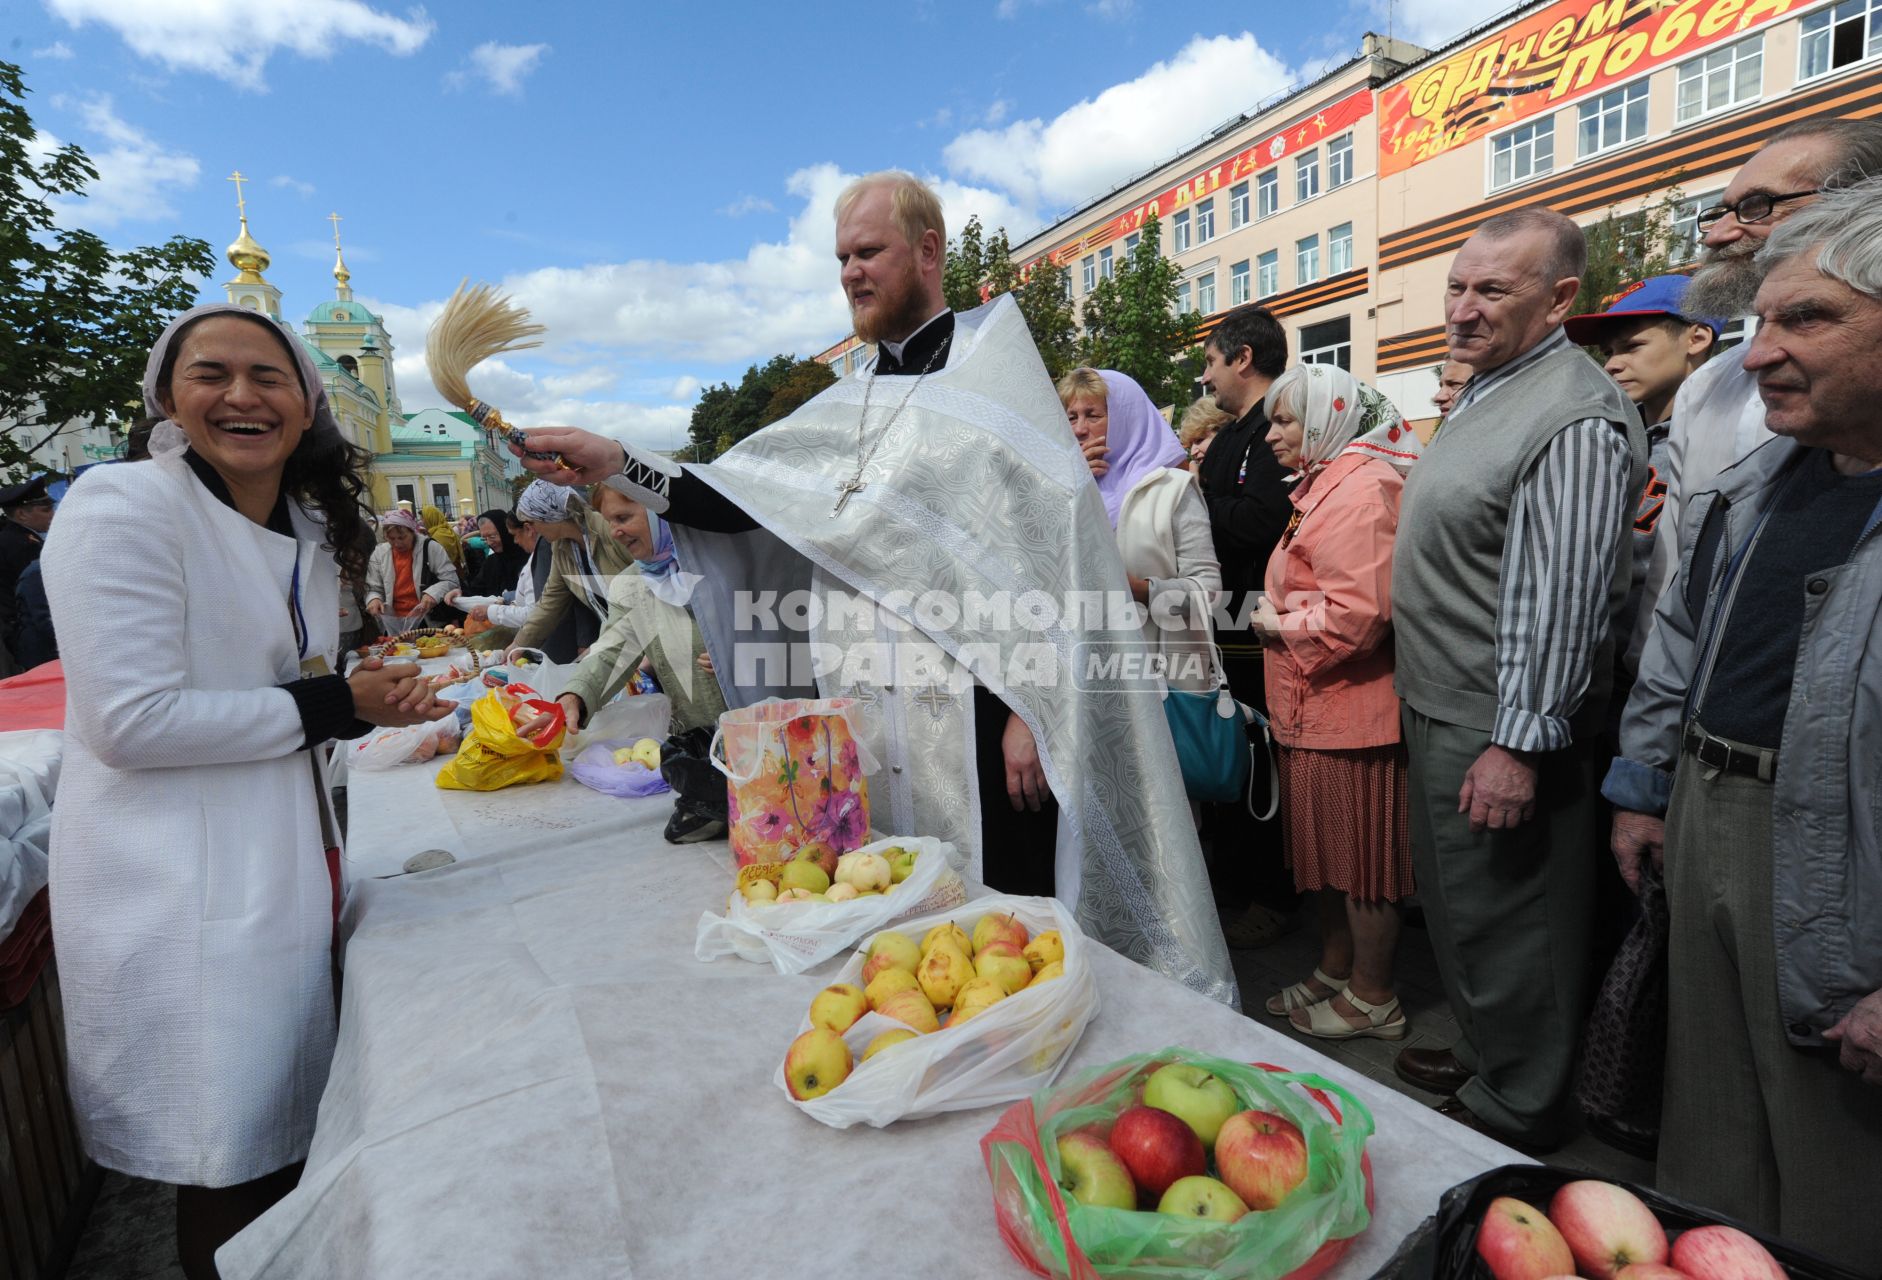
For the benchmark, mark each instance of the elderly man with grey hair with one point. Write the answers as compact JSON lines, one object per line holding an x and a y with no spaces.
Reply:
{"x":1752,"y":752}
{"x":1511,"y":567}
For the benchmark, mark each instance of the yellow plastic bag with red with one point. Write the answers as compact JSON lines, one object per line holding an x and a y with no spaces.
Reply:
{"x":494,"y":755}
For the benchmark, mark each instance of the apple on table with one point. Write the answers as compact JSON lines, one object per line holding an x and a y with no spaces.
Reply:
{"x":1092,"y":1174}
{"x":1201,"y":1100}
{"x":1202,"y":1197}
{"x":1262,"y":1156}
{"x":1158,"y":1149}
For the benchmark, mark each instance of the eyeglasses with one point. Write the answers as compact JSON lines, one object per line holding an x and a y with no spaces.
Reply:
{"x":1755,"y":207}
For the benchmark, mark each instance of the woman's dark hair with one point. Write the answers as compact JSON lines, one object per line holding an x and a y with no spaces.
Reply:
{"x":326,"y":476}
{"x":137,"y":439}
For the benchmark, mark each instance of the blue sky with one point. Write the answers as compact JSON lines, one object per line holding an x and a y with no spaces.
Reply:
{"x":654,"y":180}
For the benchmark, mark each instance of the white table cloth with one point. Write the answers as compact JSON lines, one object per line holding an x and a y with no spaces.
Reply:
{"x":536,"y":1078}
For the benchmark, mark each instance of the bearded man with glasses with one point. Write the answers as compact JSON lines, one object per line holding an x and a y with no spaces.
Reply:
{"x":1718,"y":417}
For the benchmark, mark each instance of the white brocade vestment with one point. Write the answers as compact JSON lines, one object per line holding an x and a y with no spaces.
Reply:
{"x":976,"y":524}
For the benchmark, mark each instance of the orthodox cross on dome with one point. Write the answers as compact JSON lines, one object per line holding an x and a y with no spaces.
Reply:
{"x":340,"y":273}
{"x":241,"y":206}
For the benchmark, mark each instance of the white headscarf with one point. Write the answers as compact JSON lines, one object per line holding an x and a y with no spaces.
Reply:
{"x":1340,"y":414}
{"x":544,"y":503}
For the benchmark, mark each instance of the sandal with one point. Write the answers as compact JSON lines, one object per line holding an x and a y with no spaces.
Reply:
{"x":1383,"y":1021}
{"x":1301,"y":996}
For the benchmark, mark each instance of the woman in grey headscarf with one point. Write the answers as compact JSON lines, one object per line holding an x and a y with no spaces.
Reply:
{"x":583,"y":562}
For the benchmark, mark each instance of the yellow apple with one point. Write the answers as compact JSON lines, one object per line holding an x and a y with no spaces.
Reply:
{"x":647,"y":752}
{"x":948,"y":929}
{"x":888,"y":1039}
{"x":817,"y":1062}
{"x":1002,"y":928}
{"x":760,"y":891}
{"x":1054,"y":970}
{"x":840,"y":893}
{"x":1002,"y":962}
{"x":888,"y":983}
{"x":796,"y":895}
{"x":803,"y":874}
{"x":837,"y":1007}
{"x":976,"y":996}
{"x":912,"y":1009}
{"x":891,"y":950}
{"x":623,"y":755}
{"x":943,"y":972}
{"x":1044,"y":949}
{"x":864,"y":870}
{"x":818,"y":852}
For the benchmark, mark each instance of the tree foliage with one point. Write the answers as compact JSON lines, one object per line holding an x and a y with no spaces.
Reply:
{"x":77,"y":318}
{"x":980,"y":268}
{"x":727,"y":414}
{"x":1624,"y":249}
{"x":1131,"y":323}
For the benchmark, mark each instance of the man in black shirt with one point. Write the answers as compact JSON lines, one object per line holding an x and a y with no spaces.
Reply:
{"x":1248,"y":511}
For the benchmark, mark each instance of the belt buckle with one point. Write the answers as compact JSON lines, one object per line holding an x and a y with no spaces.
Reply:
{"x":1707,"y":742}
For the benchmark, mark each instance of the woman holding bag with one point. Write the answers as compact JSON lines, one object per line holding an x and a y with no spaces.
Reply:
{"x":1326,"y":619}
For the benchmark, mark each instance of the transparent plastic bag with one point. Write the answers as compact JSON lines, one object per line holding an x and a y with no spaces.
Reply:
{"x":1008,"y":1051}
{"x":594,"y":767}
{"x":1054,"y":1235}
{"x":795,"y":936}
{"x":413,"y":743}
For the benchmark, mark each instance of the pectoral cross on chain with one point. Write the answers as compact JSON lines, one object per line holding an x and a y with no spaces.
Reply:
{"x":852,"y":485}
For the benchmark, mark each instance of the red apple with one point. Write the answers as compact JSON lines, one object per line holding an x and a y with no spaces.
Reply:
{"x":1261,"y":1156}
{"x":1518,"y":1243}
{"x":1606,"y":1227}
{"x":1157,"y":1148}
{"x":1724,"y":1253}
{"x":1649,"y":1271}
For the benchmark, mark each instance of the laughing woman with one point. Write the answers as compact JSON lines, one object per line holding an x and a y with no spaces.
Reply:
{"x":192,"y":902}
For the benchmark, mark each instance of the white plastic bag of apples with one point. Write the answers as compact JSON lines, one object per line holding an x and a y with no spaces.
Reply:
{"x":795,"y":936}
{"x":1008,"y":1051}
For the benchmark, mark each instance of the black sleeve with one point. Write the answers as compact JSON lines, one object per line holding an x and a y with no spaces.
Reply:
{"x":697,"y":505}
{"x":326,"y":707}
{"x":1248,"y":521}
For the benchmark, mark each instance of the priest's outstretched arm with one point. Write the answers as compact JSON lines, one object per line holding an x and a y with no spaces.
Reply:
{"x":574,"y":456}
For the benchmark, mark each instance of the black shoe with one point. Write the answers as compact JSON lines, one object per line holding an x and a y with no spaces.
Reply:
{"x":689,"y":826}
{"x":1639,"y":1141}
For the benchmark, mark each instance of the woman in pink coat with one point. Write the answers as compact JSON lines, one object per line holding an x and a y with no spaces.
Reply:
{"x":1326,"y":620}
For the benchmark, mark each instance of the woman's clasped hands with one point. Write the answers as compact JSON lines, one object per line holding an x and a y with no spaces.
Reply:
{"x":394,"y":695}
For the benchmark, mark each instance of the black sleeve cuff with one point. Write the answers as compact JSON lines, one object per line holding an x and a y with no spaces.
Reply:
{"x":326,"y":707}
{"x":696,"y":504}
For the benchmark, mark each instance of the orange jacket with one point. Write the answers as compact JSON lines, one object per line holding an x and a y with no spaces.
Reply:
{"x":1330,"y":672}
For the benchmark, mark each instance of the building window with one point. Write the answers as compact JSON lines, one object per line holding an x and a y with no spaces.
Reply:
{"x":1330,"y":342}
{"x":1238,"y":283}
{"x":1340,"y":249}
{"x":1205,"y":221}
{"x":1090,"y":265}
{"x":1340,"y":161}
{"x":1105,"y":268}
{"x":405,"y":493}
{"x":1839,"y":36}
{"x":1268,"y":274}
{"x":1238,"y":205}
{"x":1307,"y":260}
{"x":1205,"y":293}
{"x":1267,"y":193}
{"x":1131,"y":242}
{"x":441,"y":495}
{"x":1720,"y":79}
{"x":1686,"y":233}
{"x":1179,"y":233}
{"x":1307,"y":175}
{"x":1614,"y":119}
{"x":1525,"y":152}
{"x":1182,"y":297}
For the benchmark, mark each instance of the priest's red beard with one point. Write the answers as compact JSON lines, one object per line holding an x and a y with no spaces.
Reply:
{"x":899,"y":310}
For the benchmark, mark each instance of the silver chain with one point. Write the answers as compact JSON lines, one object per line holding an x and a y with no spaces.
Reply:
{"x":869,"y":387}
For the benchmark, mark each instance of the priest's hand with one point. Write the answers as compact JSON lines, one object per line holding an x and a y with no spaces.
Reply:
{"x":1859,"y":1033}
{"x":586,"y":457}
{"x":1025,"y":778}
{"x":1499,"y":790}
{"x":1637,"y":836}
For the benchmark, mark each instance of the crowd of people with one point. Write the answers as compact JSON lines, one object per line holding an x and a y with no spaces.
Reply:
{"x":1621,"y":604}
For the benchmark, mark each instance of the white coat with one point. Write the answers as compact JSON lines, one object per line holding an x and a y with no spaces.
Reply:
{"x":191,"y":906}
{"x":1163,"y":536}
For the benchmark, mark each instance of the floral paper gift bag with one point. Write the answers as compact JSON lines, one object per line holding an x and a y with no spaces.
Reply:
{"x":795,"y":774}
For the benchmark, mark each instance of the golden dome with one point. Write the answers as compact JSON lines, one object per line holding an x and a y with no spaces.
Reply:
{"x":247,"y":257}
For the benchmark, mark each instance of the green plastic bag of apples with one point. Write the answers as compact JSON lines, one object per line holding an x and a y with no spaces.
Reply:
{"x":1054,"y":1234}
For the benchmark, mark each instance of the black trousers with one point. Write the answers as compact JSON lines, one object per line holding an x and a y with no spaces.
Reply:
{"x":1244,"y":856}
{"x":1017,"y":847}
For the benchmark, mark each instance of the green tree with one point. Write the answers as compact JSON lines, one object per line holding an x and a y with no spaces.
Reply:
{"x":1045,"y":299}
{"x":1624,"y":249}
{"x":727,"y":414}
{"x":1132,"y":325}
{"x":980,"y":268}
{"x":800,"y":383}
{"x":965,"y":268}
{"x":77,"y":318}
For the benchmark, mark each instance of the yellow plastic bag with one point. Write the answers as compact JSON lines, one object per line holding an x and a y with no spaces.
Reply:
{"x":494,"y":755}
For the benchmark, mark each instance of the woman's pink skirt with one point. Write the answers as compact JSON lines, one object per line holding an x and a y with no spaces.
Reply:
{"x":1345,"y":815}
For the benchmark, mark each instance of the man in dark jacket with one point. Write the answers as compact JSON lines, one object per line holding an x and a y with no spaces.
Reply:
{"x":1248,"y":510}
{"x":25,"y":515}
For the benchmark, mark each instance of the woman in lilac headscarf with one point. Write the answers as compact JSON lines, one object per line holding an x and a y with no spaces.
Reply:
{"x":1161,"y":521}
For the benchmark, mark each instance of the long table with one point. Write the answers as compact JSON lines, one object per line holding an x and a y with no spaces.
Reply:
{"x":536,"y":1078}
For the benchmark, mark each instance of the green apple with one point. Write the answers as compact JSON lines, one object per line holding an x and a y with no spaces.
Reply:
{"x":901,"y":863}
{"x":1200,"y":1197}
{"x":1199,"y":1099}
{"x":803,"y":874}
{"x":817,"y":1062}
{"x":1092,"y":1175}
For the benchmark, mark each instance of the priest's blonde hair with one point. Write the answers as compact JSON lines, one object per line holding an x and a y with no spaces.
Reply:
{"x":913,"y":207}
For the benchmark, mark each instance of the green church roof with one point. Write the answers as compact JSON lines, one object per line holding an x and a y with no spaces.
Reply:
{"x":338,"y":312}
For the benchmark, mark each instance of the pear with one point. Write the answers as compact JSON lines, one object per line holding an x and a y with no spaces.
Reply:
{"x":975,"y":997}
{"x":888,"y":983}
{"x":1044,"y":949}
{"x":1054,"y":970}
{"x":948,"y":929}
{"x":837,"y":1007}
{"x":943,"y":972}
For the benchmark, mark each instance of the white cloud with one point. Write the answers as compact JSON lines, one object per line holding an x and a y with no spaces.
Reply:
{"x":233,"y":39}
{"x":1095,"y":144}
{"x":502,"y":67}
{"x":136,"y":174}
{"x":1434,"y":23}
{"x":282,"y":182}
{"x":748,"y":204}
{"x":685,"y":387}
{"x":996,"y":111}
{"x":58,"y":51}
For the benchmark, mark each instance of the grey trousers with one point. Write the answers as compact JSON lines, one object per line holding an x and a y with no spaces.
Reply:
{"x":1509,"y":915}
{"x":1780,"y":1137}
